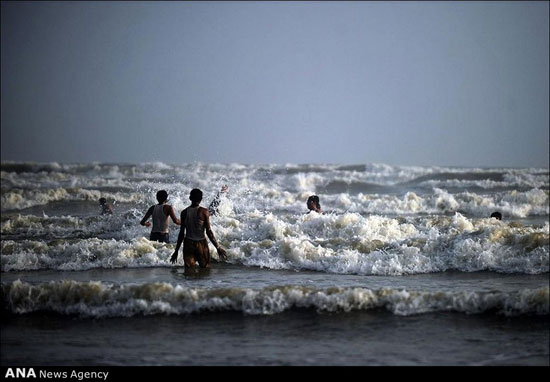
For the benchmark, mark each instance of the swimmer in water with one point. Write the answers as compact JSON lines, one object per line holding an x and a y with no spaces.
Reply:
{"x":106,"y":209}
{"x":161,"y":213}
{"x":497,"y":215}
{"x":313,"y":204}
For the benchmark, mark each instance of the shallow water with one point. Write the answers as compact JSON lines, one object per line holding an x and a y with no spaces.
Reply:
{"x":292,"y":338}
{"x":296,"y":335}
{"x":403,"y":268}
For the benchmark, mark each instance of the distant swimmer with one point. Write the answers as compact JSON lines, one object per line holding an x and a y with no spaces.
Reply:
{"x":160,"y":213}
{"x":106,"y":208}
{"x":195,"y":221}
{"x":313,"y":204}
{"x":497,"y":215}
{"x":213,"y":207}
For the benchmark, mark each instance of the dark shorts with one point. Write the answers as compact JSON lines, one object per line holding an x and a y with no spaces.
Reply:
{"x":196,"y":252}
{"x":159,"y":236}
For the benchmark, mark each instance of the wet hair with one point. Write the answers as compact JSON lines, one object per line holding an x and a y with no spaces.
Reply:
{"x":315,"y":200}
{"x":195,"y":195}
{"x":162,"y":196}
{"x":102,"y":201}
{"x":496,"y":215}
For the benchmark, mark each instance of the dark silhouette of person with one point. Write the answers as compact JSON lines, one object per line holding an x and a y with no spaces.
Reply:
{"x":497,"y":215}
{"x":195,"y":222}
{"x":160,"y":213}
{"x":313,"y":204}
{"x":106,"y":208}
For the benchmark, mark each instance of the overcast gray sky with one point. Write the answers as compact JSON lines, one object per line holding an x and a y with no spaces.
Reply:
{"x":410,"y":83}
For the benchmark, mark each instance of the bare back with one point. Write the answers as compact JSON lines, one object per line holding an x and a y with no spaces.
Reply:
{"x":194,"y":223}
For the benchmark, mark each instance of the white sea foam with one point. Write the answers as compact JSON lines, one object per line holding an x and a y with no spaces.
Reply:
{"x":100,"y":299}
{"x":374,"y":188}
{"x":353,"y":244}
{"x":347,"y":243}
{"x":379,"y":219}
{"x":73,"y":255}
{"x":18,"y":199}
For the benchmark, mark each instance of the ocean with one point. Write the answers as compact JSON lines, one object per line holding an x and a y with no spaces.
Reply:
{"x":404,"y":267}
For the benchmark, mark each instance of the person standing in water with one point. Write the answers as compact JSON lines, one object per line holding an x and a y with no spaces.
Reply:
{"x":160,"y":213}
{"x":195,"y":222}
{"x":313,"y":204}
{"x":106,"y":208}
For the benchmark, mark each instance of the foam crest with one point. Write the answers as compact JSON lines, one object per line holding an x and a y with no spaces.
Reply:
{"x":18,"y":199}
{"x":73,"y":255}
{"x":353,"y":244}
{"x":98,"y":299}
{"x":118,"y":226}
{"x":372,"y":188}
{"x":379,"y":219}
{"x":348,"y":243}
{"x":516,"y":204}
{"x":31,"y":224}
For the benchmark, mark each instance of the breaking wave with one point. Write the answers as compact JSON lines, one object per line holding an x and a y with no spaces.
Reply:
{"x":347,"y":244}
{"x":100,"y":299}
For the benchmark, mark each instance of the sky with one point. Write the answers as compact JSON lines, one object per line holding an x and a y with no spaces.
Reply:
{"x":402,"y":83}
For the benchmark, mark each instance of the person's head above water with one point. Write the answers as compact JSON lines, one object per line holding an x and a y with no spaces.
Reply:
{"x":497,"y":215}
{"x":313,"y":203}
{"x":105,"y":208}
{"x":195,"y":195}
{"x":162,"y":196}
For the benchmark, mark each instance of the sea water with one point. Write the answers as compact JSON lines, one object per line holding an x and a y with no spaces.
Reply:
{"x":404,"y":266}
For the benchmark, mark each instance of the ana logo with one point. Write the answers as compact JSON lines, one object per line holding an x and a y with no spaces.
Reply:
{"x":20,"y":372}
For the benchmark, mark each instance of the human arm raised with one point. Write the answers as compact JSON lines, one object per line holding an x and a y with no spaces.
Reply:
{"x":213,"y":207}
